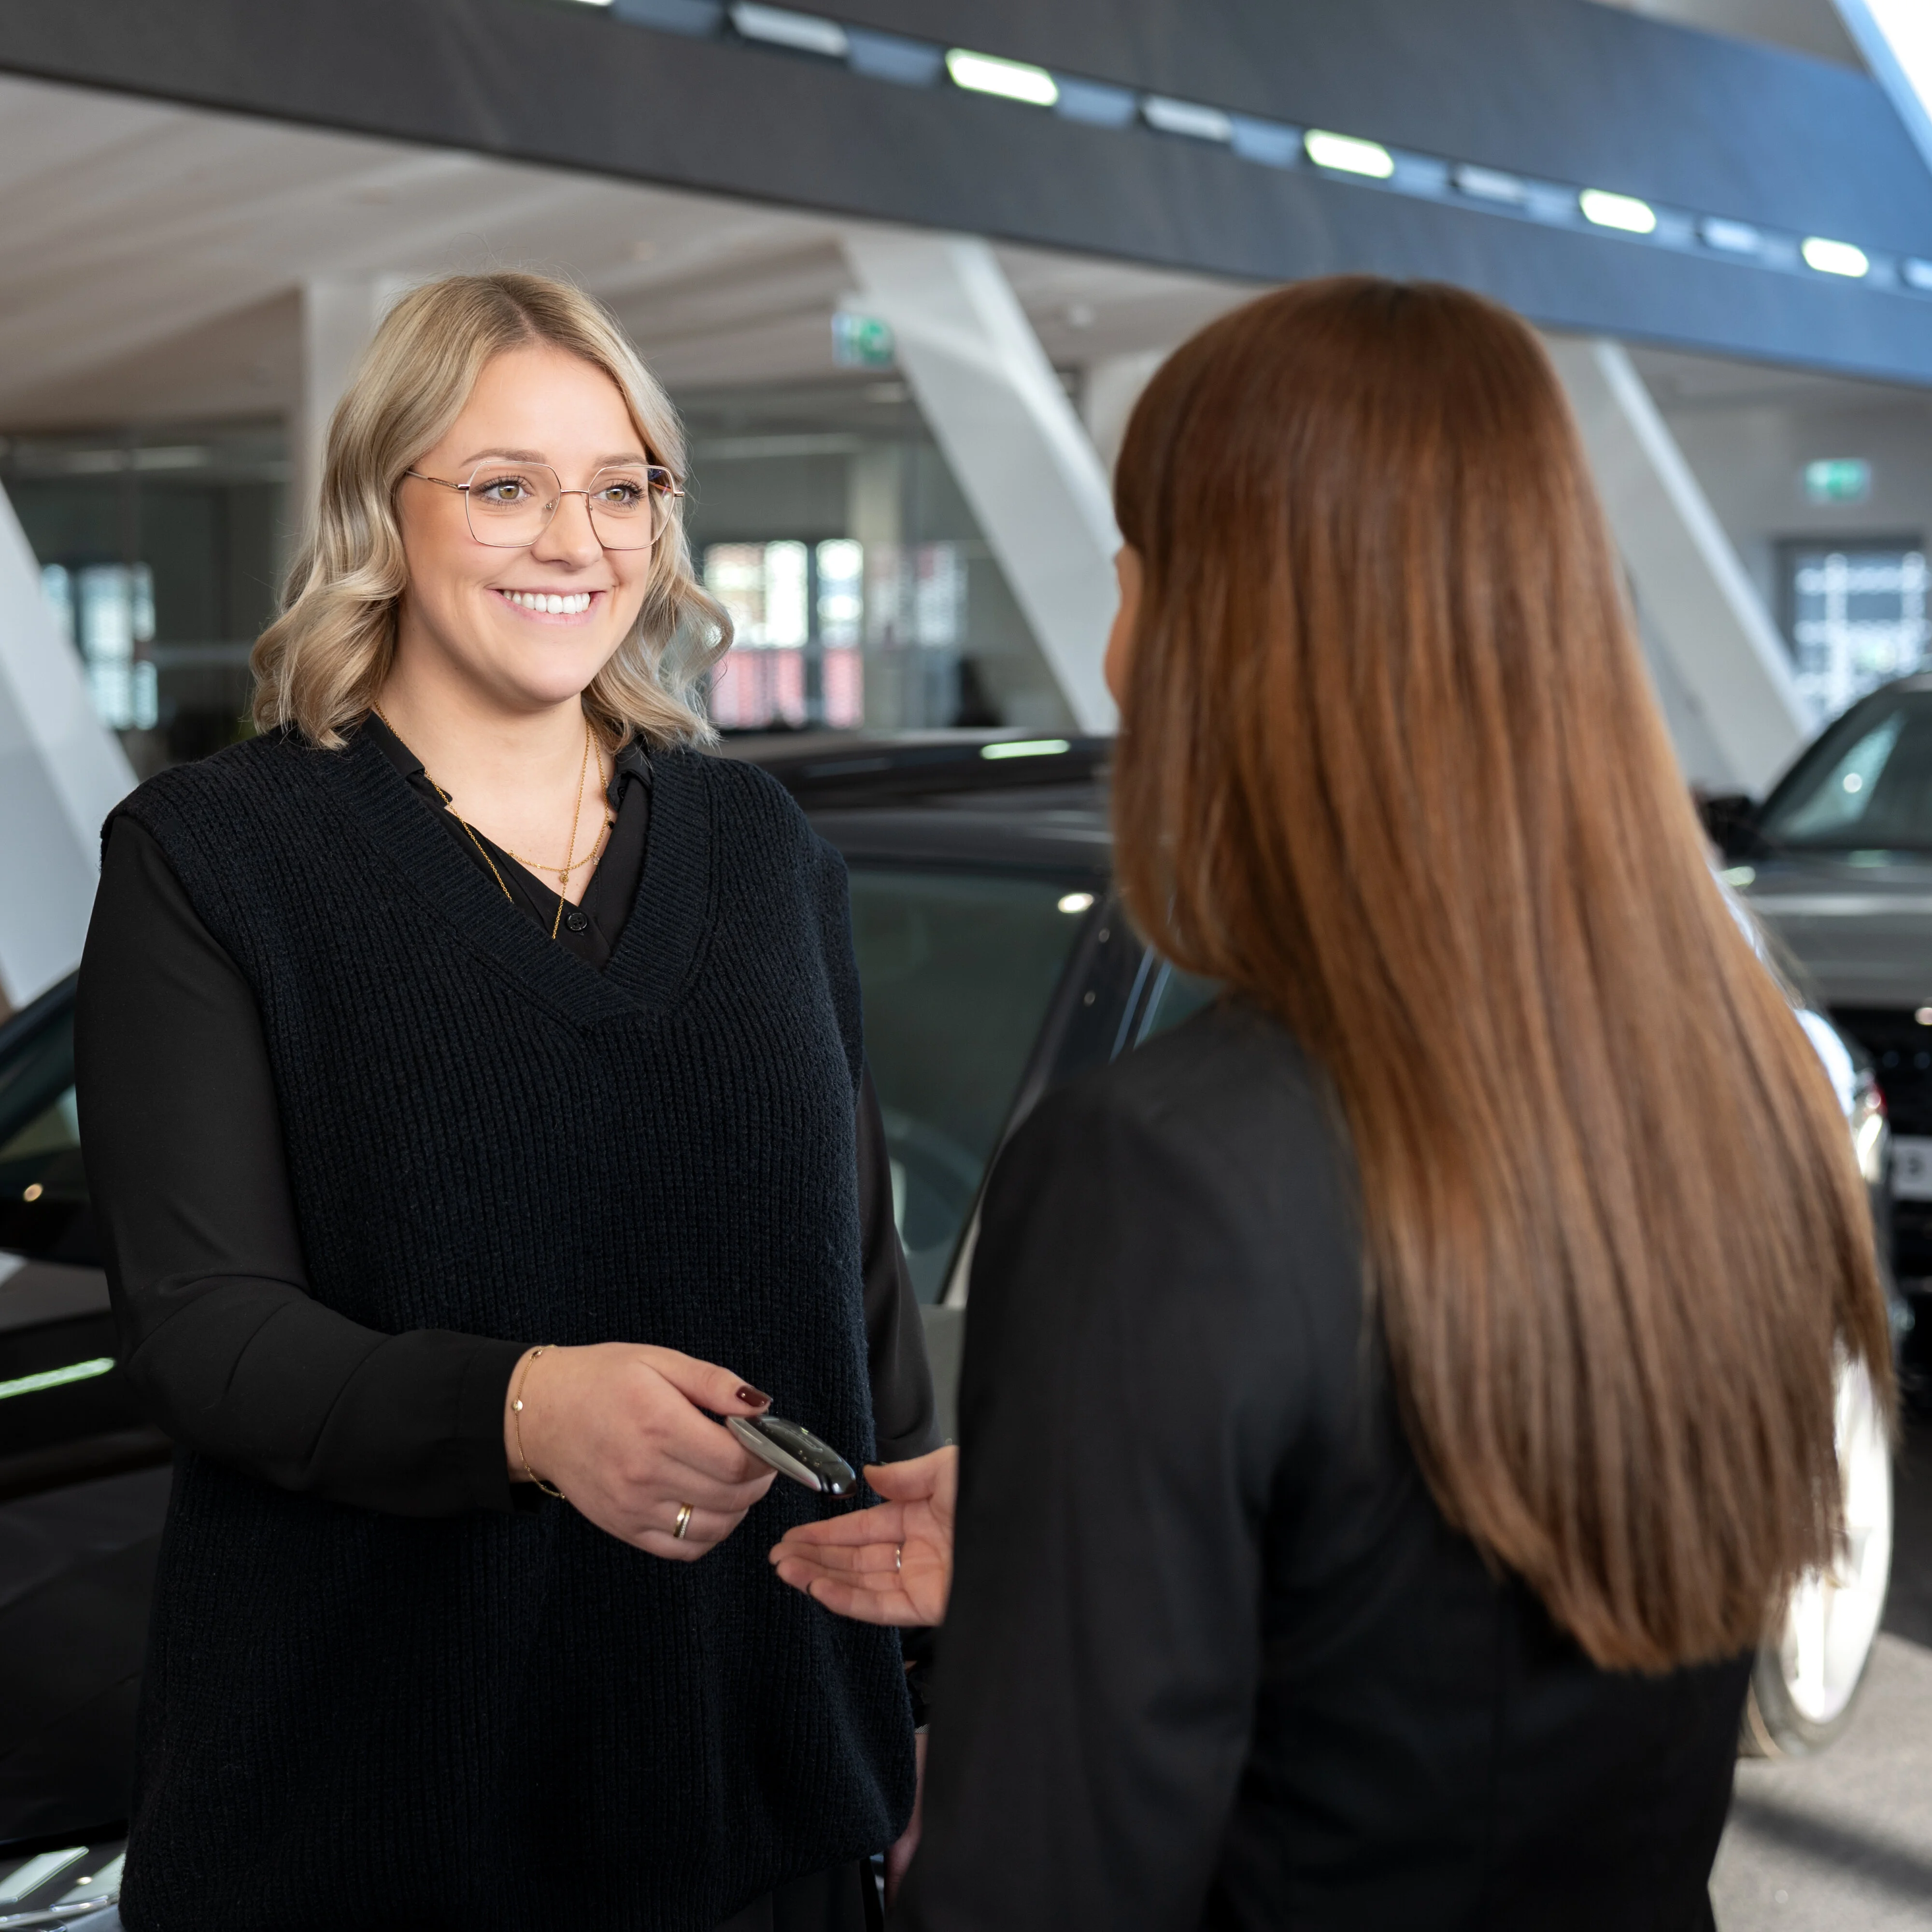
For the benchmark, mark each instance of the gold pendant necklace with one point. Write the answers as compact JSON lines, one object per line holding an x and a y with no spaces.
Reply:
{"x":562,"y":871}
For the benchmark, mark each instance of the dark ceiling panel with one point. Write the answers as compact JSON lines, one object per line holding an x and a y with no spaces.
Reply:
{"x":1562,"y":89}
{"x":575,"y":87}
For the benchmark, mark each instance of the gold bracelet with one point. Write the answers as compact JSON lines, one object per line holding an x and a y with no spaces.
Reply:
{"x":517,"y":1410}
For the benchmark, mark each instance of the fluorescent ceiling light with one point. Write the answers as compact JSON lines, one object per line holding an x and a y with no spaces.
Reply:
{"x":805,"y":33}
{"x":1186,"y":117}
{"x":1734,"y":237}
{"x":1490,"y":185}
{"x":1011,"y":80}
{"x":1834,"y":258}
{"x":1349,"y":156}
{"x":1621,"y":211}
{"x":1918,"y":275}
{"x":52,"y":1379}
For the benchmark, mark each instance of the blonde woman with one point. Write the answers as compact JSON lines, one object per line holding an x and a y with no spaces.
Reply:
{"x":471,"y":1076}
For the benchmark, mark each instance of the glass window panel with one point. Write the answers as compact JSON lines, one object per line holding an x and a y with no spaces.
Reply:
{"x":959,"y":970}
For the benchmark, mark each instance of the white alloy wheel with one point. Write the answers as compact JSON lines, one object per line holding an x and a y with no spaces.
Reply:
{"x":1808,"y":1673}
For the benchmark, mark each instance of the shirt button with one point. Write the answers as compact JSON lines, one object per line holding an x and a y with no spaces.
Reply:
{"x":576,"y":921}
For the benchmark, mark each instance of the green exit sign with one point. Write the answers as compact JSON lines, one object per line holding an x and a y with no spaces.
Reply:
{"x":861,"y":341}
{"x":1838,"y":479}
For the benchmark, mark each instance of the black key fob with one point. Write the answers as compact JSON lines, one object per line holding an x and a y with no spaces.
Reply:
{"x":794,"y":1451}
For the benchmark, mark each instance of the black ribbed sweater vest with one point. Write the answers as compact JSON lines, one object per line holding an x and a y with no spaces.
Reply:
{"x":355,"y":1721}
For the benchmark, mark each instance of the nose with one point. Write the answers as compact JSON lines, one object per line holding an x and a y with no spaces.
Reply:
{"x":569,"y":538}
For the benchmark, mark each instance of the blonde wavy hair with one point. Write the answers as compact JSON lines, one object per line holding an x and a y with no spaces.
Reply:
{"x":318,"y":667}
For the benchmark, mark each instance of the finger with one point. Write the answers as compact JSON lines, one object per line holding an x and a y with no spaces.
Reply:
{"x":873,"y":1559}
{"x":704,"y":1529}
{"x":885,"y":1523}
{"x":722,"y":1391}
{"x":686,"y":1482}
{"x":862,"y":1606}
{"x":909,"y":1481}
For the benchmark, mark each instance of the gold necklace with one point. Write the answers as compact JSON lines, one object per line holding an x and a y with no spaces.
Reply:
{"x":562,"y":871}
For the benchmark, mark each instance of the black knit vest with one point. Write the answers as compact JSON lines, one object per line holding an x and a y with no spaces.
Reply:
{"x":356,"y":1720}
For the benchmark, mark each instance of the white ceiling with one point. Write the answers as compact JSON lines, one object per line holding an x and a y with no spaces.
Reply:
{"x":150,"y":257}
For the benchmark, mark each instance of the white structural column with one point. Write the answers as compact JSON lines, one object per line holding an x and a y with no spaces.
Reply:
{"x":62,"y":771}
{"x":1701,"y":610}
{"x":339,"y":315}
{"x":1111,"y":387}
{"x":1023,"y":460}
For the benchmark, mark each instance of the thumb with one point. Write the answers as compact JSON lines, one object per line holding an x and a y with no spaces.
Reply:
{"x":707,"y":1386}
{"x":903,"y":1482}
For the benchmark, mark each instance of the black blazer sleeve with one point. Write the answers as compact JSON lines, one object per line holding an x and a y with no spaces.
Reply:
{"x":1135,"y":1373}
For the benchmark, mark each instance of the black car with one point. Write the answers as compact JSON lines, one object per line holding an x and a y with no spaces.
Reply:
{"x":995,"y":965}
{"x":1837,"y":863}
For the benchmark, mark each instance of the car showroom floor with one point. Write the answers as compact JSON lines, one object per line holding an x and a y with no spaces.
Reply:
{"x":1844,"y":1840}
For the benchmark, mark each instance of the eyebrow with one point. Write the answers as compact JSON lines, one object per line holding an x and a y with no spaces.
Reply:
{"x":630,"y":459}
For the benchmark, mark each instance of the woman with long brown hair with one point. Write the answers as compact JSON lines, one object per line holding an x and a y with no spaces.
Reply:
{"x":1396,"y":1400}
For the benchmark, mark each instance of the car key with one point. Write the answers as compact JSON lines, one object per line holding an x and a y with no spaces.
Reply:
{"x":794,"y":1451}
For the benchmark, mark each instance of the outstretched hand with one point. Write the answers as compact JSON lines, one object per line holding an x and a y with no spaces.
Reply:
{"x":892,"y":1564}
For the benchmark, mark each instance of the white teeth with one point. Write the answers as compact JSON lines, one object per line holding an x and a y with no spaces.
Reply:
{"x":550,"y":603}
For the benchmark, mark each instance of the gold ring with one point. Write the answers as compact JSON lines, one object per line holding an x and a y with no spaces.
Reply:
{"x":683,"y":1522}
{"x":898,"y":1559}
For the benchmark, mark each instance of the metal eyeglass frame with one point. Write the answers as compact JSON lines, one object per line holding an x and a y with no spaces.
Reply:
{"x":670,"y":487}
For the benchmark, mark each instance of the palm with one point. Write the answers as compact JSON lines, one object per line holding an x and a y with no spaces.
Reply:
{"x":892,"y":1564}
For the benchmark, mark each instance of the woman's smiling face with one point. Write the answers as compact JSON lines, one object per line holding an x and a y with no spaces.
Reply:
{"x":490,"y":612}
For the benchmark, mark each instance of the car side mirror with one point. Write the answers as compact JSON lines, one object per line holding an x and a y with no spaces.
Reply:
{"x":1730,"y":819}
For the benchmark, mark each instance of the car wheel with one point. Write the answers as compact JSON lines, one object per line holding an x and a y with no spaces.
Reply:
{"x":1808,"y":1672}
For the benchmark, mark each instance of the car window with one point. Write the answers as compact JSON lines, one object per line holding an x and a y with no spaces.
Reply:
{"x":959,"y":970}
{"x":1867,"y":783}
{"x":1177,"y":996}
{"x":43,"y":1185}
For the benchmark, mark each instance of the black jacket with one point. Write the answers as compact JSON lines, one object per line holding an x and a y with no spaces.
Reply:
{"x":1213,"y":1657}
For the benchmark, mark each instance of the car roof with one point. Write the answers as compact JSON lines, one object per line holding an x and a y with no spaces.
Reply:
{"x":955,"y":798}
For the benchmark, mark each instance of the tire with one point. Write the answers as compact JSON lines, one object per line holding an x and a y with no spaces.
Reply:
{"x":1806,"y":1681}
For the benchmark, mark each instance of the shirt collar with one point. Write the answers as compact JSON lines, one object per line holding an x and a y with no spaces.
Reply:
{"x":633,"y":762}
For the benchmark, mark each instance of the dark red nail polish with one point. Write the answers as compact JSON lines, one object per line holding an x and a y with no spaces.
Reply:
{"x":748,"y":1394}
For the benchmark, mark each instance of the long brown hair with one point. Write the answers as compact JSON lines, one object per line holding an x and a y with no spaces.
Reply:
{"x":1390,"y":765}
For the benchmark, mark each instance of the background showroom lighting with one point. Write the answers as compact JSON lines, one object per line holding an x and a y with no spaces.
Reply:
{"x":1622,"y":211}
{"x":1346,"y":155}
{"x":780,"y":27}
{"x":1011,"y":80}
{"x":1834,"y":258}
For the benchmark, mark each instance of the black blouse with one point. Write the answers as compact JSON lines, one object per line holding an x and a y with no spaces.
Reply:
{"x":183,"y":1144}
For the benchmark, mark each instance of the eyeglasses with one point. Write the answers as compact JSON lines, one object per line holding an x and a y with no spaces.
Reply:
{"x":510,"y":505}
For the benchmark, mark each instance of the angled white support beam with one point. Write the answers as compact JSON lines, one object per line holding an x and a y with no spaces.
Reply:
{"x":62,"y":771}
{"x":339,"y":315}
{"x":1895,"y":37}
{"x":1023,"y":460}
{"x":1701,"y":610}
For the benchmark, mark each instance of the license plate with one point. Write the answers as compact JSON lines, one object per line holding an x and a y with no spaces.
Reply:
{"x":1912,"y":1167}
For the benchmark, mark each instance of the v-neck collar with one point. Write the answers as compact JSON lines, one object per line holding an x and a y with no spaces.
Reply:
{"x":654,"y":958}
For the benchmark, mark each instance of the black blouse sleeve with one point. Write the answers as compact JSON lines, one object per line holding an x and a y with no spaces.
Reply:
{"x":182,"y":1139}
{"x":1135,"y":1368}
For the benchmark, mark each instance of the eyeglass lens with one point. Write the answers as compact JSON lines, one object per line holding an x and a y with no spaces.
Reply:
{"x":510,"y":504}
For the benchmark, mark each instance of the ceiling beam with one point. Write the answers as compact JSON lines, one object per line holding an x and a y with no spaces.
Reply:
{"x":1558,"y":88}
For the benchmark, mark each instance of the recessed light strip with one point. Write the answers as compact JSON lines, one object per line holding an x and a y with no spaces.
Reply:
{"x":908,"y":62}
